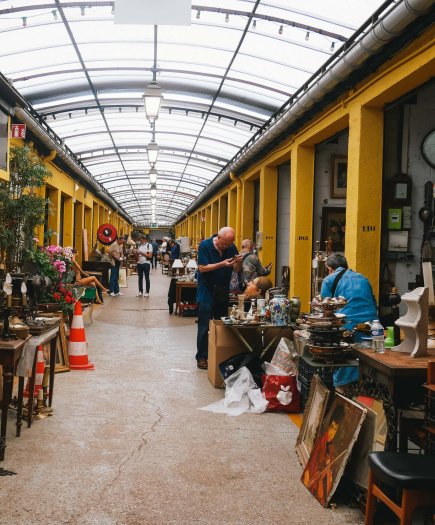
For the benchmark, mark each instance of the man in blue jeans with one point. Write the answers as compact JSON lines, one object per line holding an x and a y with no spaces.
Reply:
{"x":116,"y":254}
{"x":217,"y":258}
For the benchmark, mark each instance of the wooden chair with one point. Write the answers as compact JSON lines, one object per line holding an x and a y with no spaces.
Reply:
{"x":413,"y":474}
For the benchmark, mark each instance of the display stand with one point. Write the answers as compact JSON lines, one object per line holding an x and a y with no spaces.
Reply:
{"x":414,"y":323}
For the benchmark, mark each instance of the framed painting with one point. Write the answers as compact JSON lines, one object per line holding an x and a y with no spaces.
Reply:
{"x":312,"y":419}
{"x":333,"y":231}
{"x":62,"y":360}
{"x":333,"y":447}
{"x":338,"y":177}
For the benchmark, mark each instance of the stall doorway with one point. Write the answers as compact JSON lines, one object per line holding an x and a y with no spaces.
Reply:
{"x":283,"y":220}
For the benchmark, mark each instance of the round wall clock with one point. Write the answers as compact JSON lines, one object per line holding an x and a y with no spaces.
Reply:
{"x":428,"y":148}
{"x":107,"y":234}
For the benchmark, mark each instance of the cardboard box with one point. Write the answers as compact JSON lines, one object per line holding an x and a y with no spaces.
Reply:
{"x":222,"y":344}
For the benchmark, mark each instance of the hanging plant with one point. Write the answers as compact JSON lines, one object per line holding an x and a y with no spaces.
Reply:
{"x":21,"y":208}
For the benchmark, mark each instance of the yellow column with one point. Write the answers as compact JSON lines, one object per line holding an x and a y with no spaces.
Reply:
{"x":232,"y":210}
{"x":78,"y":227}
{"x":267,"y":219}
{"x":68,"y":221}
{"x":214,"y":217}
{"x":88,"y":227}
{"x":54,"y":215}
{"x":247,"y":212}
{"x":95,"y":222}
{"x":208,"y":226}
{"x":222,"y":212}
{"x":364,"y":192}
{"x":301,"y":222}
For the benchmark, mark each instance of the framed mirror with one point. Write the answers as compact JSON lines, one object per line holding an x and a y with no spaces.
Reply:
{"x":428,"y":148}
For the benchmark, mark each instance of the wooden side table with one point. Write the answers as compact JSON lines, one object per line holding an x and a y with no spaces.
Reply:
{"x":10,"y":353}
{"x":179,"y":286}
{"x":401,"y":375}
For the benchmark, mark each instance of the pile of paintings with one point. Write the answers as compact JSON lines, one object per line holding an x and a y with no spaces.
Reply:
{"x":327,"y":438}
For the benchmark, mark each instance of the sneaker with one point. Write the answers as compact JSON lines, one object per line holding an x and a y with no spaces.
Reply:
{"x":119,"y":293}
{"x":139,"y":294}
{"x":112,"y":294}
{"x":146,"y":294}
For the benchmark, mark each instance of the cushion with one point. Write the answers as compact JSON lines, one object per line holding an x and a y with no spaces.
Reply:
{"x":405,"y":471}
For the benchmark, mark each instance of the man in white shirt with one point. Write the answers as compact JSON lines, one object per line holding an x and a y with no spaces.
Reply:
{"x":144,"y":255}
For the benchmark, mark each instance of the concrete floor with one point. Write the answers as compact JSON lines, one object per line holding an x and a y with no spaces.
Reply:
{"x":127,"y":444}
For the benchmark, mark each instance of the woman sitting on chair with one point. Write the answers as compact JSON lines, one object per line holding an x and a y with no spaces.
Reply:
{"x":85,"y":279}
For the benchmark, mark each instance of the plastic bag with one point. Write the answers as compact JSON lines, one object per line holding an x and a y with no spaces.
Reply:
{"x":241,"y":395}
{"x":282,"y":394}
{"x":248,"y":359}
{"x":285,"y":356}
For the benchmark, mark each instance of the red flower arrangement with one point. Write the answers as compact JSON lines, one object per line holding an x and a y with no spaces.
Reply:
{"x":66,"y":300}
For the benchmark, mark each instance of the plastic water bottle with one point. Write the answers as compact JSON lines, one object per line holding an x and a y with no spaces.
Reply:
{"x":378,"y":337}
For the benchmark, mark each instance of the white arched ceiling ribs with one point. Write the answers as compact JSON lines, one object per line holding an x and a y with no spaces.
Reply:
{"x":222,"y":78}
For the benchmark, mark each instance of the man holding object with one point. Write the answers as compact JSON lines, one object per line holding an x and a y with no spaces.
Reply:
{"x":217,"y":258}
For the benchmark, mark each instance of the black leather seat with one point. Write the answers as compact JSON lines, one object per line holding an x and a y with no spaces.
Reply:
{"x":413,"y":474}
{"x":404,"y":471}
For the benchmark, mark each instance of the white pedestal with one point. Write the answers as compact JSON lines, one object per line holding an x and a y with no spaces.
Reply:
{"x":414,"y":323}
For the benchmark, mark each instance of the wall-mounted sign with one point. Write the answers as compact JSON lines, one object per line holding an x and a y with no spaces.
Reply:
{"x":18,"y":131}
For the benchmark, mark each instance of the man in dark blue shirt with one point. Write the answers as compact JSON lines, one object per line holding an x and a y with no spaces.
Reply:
{"x":217,"y":258}
{"x":175,"y":250}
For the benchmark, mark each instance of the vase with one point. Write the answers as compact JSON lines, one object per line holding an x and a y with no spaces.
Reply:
{"x":295,"y":308}
{"x":280,"y":310}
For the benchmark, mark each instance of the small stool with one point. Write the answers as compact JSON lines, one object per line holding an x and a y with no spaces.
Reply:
{"x":413,"y":474}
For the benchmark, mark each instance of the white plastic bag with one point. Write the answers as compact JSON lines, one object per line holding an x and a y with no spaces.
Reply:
{"x":241,"y":395}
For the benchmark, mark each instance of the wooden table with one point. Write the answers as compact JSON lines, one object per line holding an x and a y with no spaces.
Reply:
{"x":10,"y":352}
{"x":39,"y":331}
{"x":179,"y":287}
{"x":402,"y":374}
{"x":254,"y":337}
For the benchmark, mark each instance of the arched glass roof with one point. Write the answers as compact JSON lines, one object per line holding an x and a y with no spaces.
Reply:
{"x":222,"y":78}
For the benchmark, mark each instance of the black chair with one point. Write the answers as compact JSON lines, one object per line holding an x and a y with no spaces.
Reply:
{"x":413,"y":474}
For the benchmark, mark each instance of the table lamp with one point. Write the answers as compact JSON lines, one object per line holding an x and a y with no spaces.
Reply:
{"x":177,"y":264}
{"x":192,"y":266}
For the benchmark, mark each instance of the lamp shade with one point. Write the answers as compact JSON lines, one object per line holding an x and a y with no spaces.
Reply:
{"x":153,"y":153}
{"x":153,"y":175}
{"x":152,"y":100}
{"x":177,"y":264}
{"x":192,"y":264}
{"x":153,"y":190}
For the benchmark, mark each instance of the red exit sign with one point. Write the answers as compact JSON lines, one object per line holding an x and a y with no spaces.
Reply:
{"x":18,"y":131}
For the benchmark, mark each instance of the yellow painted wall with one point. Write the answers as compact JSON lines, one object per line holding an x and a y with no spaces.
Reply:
{"x":360,"y":110}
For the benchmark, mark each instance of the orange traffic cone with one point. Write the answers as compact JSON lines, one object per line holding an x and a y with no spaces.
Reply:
{"x":77,"y":346}
{"x":39,"y":374}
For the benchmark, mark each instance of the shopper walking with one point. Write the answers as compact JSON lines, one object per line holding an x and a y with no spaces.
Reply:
{"x":217,"y":258}
{"x":144,"y":257}
{"x":116,"y":254}
{"x":155,"y":252}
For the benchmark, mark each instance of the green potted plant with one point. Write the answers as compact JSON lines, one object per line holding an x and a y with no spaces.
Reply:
{"x":21,"y":208}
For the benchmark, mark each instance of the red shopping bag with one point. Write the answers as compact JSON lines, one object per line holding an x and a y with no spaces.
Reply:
{"x":282,"y":394}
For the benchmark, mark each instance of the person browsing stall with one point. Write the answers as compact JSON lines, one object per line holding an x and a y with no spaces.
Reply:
{"x":217,"y":258}
{"x":116,"y":253}
{"x":144,"y":255}
{"x":252,"y":266}
{"x":360,"y":307}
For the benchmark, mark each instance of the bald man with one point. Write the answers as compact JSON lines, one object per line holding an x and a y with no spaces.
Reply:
{"x":217,"y":258}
